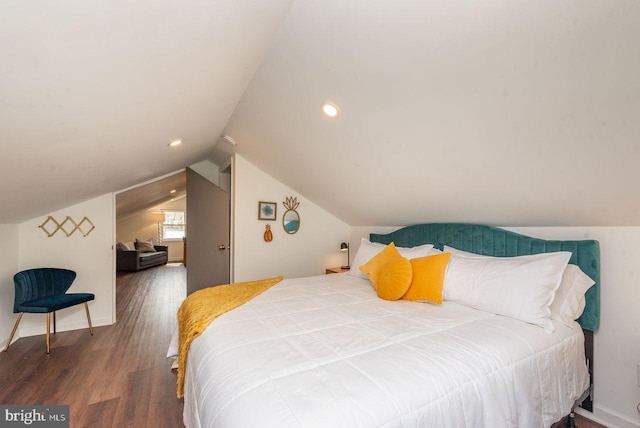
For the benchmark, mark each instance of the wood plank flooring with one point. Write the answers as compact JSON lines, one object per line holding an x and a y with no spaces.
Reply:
{"x":581,"y":422}
{"x":118,"y":377}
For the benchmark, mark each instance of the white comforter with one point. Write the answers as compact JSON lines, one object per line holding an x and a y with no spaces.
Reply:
{"x":326,"y":352}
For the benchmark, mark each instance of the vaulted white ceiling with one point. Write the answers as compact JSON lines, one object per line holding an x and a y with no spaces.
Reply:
{"x":91,"y":92}
{"x":510,"y":113}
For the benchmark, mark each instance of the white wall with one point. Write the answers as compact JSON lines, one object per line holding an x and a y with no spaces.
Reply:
{"x":9,"y":265}
{"x":310,"y":251}
{"x":140,"y":226}
{"x":617,"y":342}
{"x":91,"y":257}
{"x":208,"y":170}
{"x":218,"y":175}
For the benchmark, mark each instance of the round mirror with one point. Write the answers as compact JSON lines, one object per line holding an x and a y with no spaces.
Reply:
{"x":291,"y":221}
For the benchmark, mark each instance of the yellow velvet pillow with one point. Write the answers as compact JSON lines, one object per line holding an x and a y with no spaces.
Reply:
{"x":428,"y":278}
{"x":394,"y":279}
{"x":372,"y":267}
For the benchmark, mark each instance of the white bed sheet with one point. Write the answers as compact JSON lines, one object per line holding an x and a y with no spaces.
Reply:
{"x":325,"y":351}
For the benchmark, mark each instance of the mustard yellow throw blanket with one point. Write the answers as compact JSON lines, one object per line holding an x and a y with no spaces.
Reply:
{"x":200,"y":308}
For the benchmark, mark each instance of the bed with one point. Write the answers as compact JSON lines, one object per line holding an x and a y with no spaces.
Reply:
{"x":325,"y":351}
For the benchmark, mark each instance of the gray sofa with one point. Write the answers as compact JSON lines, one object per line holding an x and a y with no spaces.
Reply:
{"x":134,"y":260}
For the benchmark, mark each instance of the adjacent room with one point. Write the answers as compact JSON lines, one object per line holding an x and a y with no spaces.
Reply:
{"x":393,"y":213}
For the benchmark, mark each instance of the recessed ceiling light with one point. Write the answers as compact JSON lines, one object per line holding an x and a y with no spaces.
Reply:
{"x":229,"y":139}
{"x":175,"y":143}
{"x":330,"y":110}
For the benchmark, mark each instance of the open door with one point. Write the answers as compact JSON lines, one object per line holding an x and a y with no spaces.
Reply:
{"x":207,"y":233}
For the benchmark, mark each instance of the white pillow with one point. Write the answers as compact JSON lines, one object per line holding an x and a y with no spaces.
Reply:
{"x":520,"y":287}
{"x":130,"y":246}
{"x":448,"y":249}
{"x":417,"y":252}
{"x":368,"y":250}
{"x":569,"y":302}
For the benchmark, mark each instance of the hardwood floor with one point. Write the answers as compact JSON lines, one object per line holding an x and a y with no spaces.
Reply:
{"x":581,"y":422}
{"x":120,"y":376}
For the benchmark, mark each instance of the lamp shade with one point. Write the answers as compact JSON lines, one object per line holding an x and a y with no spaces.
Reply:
{"x":158,"y":217}
{"x":344,"y":246}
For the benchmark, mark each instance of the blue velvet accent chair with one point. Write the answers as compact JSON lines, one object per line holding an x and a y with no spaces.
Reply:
{"x":43,"y":291}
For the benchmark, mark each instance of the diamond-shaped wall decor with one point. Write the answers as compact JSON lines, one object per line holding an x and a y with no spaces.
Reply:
{"x":86,"y":220}
{"x":43,"y":226}
{"x":66,"y":224}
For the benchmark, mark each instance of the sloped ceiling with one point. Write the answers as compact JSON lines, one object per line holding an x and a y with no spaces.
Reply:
{"x":502,"y":112}
{"x":91,"y":92}
{"x":509,"y":113}
{"x":151,"y":195}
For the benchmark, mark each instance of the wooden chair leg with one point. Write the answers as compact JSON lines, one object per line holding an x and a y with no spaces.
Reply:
{"x":86,"y":308}
{"x":15,"y":327}
{"x":48,"y":331}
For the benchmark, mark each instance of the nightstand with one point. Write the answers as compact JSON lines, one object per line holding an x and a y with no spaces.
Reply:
{"x":335,"y":270}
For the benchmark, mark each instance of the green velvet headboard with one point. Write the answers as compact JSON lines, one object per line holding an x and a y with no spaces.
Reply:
{"x":493,"y":241}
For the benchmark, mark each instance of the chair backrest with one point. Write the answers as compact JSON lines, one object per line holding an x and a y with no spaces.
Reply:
{"x":37,"y":283}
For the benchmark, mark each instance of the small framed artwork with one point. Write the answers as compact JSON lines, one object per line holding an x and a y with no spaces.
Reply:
{"x":267,"y":210}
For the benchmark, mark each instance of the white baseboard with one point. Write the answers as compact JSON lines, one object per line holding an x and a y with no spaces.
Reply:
{"x":608,"y":417}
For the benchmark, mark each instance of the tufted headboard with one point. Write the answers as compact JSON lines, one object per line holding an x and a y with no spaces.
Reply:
{"x":493,"y":241}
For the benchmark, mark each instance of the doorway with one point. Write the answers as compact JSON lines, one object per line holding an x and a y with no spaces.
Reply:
{"x":141,"y":214}
{"x":207,"y":226}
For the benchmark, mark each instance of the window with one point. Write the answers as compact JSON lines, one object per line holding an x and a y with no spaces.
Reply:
{"x":174,"y":226}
